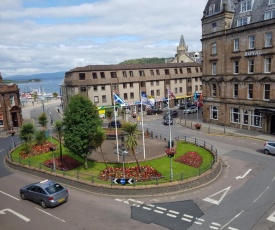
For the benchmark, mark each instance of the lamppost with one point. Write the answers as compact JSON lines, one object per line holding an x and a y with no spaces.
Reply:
{"x":53,"y":149}
{"x":42,"y":100}
{"x":12,"y":132}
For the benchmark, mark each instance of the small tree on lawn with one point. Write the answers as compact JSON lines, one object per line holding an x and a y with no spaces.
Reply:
{"x":98,"y":140}
{"x":81,"y":122}
{"x":40,"y":137}
{"x":26,"y":134}
{"x":131,"y":139}
{"x":58,"y":126}
{"x":109,"y":115}
{"x":43,"y":121}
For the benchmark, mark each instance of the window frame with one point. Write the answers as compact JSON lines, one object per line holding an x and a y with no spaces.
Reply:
{"x":250,"y":66}
{"x":214,"y":48}
{"x":236,"y":66}
{"x":246,"y":5}
{"x":266,"y":92}
{"x":268,"y":40}
{"x":214,"y":111}
{"x":214,"y":68}
{"x":267,"y":65}
{"x":236,"y":44}
{"x":250,"y":91}
{"x":251,"y":41}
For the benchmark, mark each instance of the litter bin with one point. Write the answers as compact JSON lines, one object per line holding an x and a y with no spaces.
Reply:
{"x":168,"y":144}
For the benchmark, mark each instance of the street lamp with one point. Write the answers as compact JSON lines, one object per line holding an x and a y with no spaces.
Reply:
{"x":42,"y":100}
{"x":12,"y":132}
{"x":53,"y":149}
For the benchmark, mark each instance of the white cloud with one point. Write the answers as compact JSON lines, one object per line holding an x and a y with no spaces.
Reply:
{"x":56,"y":38}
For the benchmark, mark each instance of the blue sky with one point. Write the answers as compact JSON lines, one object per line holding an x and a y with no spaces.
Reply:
{"x":41,"y":36}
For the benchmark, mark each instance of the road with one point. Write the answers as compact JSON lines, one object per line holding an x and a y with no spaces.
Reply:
{"x":241,"y":198}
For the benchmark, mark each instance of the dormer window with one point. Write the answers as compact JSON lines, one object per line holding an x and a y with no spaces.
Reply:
{"x":269,"y":15}
{"x":246,"y":6}
{"x":211,"y":9}
{"x":243,"y":21}
{"x":271,"y":2}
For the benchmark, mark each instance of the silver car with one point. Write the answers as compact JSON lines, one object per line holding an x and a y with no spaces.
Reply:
{"x":269,"y":147}
{"x":47,"y":193}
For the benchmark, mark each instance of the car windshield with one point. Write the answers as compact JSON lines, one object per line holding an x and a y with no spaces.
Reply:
{"x":54,"y":188}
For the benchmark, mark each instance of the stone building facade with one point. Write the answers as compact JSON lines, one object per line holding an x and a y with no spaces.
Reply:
{"x":239,"y":64}
{"x":99,"y":82}
{"x":10,"y":109}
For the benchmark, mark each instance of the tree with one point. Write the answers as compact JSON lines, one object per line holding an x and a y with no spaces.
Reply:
{"x":98,"y":140}
{"x":81,"y":122}
{"x":109,"y":115}
{"x":58,"y":126}
{"x":131,"y":139}
{"x":40,"y":137}
{"x":43,"y":121}
{"x":26,"y":134}
{"x":55,"y":95}
{"x":35,"y":96}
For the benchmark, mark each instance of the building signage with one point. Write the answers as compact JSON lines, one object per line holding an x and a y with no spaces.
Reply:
{"x":253,"y":53}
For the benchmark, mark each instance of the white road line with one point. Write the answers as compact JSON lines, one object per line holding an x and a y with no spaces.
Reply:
{"x":132,"y":200}
{"x":10,"y":195}
{"x":232,"y":228}
{"x":158,"y":211}
{"x":217,"y":224}
{"x":15,"y":213}
{"x":51,"y":215}
{"x":140,"y":202}
{"x":273,"y":179}
{"x":174,"y":212}
{"x":186,"y":219}
{"x":199,"y":219}
{"x":188,"y":216}
{"x":1,"y":150}
{"x":118,"y":200}
{"x":261,"y":194}
{"x":164,"y":209}
{"x":144,"y":207}
{"x":196,"y":222}
{"x":150,"y":205}
{"x":232,"y":219}
{"x":126,"y":202}
{"x":168,"y":214}
{"x":136,"y":205}
{"x":213,"y":227}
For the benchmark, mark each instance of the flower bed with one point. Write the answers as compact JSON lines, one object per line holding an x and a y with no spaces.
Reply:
{"x":147,"y":173}
{"x":37,"y":150}
{"x":192,"y":159}
{"x":67,"y":163}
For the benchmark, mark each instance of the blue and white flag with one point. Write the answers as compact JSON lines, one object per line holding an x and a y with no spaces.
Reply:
{"x":146,"y":101}
{"x":118,"y":99}
{"x":195,"y":96}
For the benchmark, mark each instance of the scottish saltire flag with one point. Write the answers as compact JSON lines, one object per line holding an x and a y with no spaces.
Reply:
{"x":145,"y":100}
{"x":170,"y":93}
{"x":195,"y":96}
{"x":118,"y":99}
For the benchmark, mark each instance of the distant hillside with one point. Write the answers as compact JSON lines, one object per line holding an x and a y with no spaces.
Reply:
{"x":153,"y":60}
{"x":41,"y":76}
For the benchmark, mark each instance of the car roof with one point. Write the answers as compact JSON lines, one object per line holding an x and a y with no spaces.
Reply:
{"x":45,"y":183}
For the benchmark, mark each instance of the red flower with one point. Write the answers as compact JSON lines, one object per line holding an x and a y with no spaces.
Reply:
{"x":170,"y":151}
{"x":191,"y":158}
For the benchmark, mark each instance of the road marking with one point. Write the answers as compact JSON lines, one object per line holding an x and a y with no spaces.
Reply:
{"x":174,"y":212}
{"x":50,"y":215}
{"x":126,"y":202}
{"x":217,"y":202}
{"x":271,"y":217}
{"x":261,"y":194}
{"x":217,"y":224}
{"x":168,"y":214}
{"x":273,"y":178}
{"x":15,"y":213}
{"x":136,"y":205}
{"x":1,"y":150}
{"x":185,"y":219}
{"x":164,"y":209}
{"x":150,"y":205}
{"x":243,"y":176}
{"x":118,"y":200}
{"x":232,"y":219}
{"x":144,"y":207}
{"x":10,"y":195}
{"x":213,"y":227}
{"x":140,"y":202}
{"x":158,"y":211}
{"x":132,"y":200}
{"x":230,"y":228}
{"x":199,"y":223}
{"x":188,"y":216}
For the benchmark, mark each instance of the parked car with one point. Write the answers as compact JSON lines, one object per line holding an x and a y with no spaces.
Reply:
{"x":114,"y":124}
{"x":154,"y":111}
{"x":173,"y":113}
{"x":183,"y":105}
{"x":192,"y":109}
{"x":47,"y":193}
{"x":269,"y":147}
{"x":167,"y":120}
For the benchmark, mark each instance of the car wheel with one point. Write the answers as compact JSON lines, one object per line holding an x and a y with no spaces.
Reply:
{"x":23,"y":197}
{"x":266,"y":151}
{"x":43,"y":204}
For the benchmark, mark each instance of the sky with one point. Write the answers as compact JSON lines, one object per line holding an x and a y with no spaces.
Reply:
{"x":46,"y":36}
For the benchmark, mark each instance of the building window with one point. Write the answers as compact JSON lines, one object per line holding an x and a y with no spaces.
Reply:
{"x":96,"y":99}
{"x":211,"y":9}
{"x":236,"y":67}
{"x":251,"y":42}
{"x":175,"y":81}
{"x":251,"y":66}
{"x":152,"y":93}
{"x":200,"y":87}
{"x":113,"y":75}
{"x":267,"y":65}
{"x":158,"y":92}
{"x":196,"y":79}
{"x":267,"y":92}
{"x":83,"y":89}
{"x":189,"y":70}
{"x":256,"y":119}
{"x":250,"y":91}
{"x":141,"y":73}
{"x":124,"y":85}
{"x":131,"y":73}
{"x":243,"y":21}
{"x":189,"y":79}
{"x":214,"y":90}
{"x":152,"y":72}
{"x":166,"y":71}
{"x":12,"y":102}
{"x":271,"y":2}
{"x":181,"y":71}
{"x":125,"y":96}
{"x":124,"y":73}
{"x":94,"y":75}
{"x":214,"y":48}
{"x":1,"y":120}
{"x":132,"y":96}
{"x":246,"y":5}
{"x":214,"y":27}
{"x":176,"y":71}
{"x":81,"y":76}
{"x":157,"y":71}
{"x":268,"y":39}
{"x":269,"y":14}
{"x":104,"y":98}
{"x":152,"y":83}
{"x":142,"y":84}
{"x":115,"y":86}
{"x":157,"y":82}
{"x":95,"y":88}
{"x":131,"y":84}
{"x":214,"y":68}
{"x":103,"y":87}
{"x":245,"y":117}
{"x":180,"y":89}
{"x":102,"y":74}
{"x":235,"y":90}
{"x":214,"y":112}
{"x":175,"y":90}
{"x":235,"y":115}
{"x":197,"y":70}
{"x":180,"y":81}
{"x":236,"y":44}
{"x":196,"y":88}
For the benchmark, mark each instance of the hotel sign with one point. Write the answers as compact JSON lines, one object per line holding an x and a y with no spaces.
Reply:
{"x":253,"y":53}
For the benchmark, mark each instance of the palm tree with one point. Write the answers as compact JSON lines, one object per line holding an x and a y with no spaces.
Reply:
{"x":131,"y":139}
{"x":27,"y":133}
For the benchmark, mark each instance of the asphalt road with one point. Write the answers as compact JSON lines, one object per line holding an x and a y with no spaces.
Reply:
{"x":241,"y":198}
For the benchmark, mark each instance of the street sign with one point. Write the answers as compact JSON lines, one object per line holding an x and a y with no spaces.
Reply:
{"x":123,"y":181}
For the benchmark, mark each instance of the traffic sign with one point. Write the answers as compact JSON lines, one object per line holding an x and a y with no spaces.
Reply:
{"x":123,"y":181}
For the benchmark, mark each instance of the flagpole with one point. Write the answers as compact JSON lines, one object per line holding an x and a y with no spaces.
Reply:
{"x":170,"y":136}
{"x":142,"y":127}
{"x":116,"y":129}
